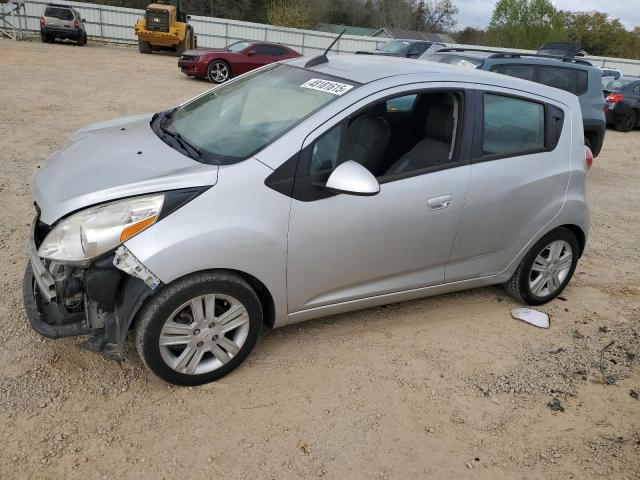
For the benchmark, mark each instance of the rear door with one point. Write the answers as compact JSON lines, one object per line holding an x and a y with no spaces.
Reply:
{"x":519,"y":176}
{"x":59,"y":17}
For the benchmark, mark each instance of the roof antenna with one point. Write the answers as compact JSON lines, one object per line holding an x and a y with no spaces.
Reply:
{"x":323,"y":58}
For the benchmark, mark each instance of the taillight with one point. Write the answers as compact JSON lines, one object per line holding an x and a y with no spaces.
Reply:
{"x":76,"y":23}
{"x":614,"y":98}
{"x":588,"y":157}
{"x":41,"y":20}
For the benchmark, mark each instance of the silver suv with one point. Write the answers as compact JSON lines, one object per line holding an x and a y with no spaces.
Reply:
{"x":299,"y":190}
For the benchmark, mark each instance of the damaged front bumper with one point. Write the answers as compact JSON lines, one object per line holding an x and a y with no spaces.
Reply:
{"x":100,"y":300}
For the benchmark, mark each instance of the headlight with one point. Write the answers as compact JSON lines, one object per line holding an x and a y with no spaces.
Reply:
{"x":94,"y":231}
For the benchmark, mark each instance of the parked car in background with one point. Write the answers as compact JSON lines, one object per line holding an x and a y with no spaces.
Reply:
{"x":62,"y":21}
{"x":611,"y":73}
{"x":623,"y":103}
{"x":566,"y":73}
{"x":295,"y":192}
{"x":220,"y":64}
{"x":404,"y":48}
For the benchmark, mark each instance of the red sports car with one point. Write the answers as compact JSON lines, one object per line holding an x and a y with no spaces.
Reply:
{"x":220,"y":64}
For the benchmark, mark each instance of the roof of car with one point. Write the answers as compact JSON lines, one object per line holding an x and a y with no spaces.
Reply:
{"x":370,"y":68}
{"x":508,"y":57}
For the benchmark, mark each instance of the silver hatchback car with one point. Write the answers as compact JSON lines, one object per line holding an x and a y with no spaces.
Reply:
{"x":300,"y":190}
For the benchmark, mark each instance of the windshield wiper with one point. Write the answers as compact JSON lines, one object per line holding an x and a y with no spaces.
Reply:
{"x":184,"y":143}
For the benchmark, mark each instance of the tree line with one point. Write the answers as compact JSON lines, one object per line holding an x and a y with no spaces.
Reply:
{"x":514,"y":23}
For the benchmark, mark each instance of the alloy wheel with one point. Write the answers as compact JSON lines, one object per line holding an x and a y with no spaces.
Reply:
{"x":204,"y":334}
{"x":219,"y":72}
{"x":550,"y":268}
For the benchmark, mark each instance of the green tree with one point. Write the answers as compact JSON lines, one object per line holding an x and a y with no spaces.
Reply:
{"x":289,"y":13}
{"x":525,"y":23}
{"x":601,"y":35}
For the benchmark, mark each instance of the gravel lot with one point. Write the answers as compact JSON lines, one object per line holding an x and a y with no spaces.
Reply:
{"x":447,"y":387}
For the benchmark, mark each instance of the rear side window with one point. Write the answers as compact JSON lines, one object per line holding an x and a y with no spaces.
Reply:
{"x":526,"y":72}
{"x":569,"y":79}
{"x":60,"y":13}
{"x":512,"y":126}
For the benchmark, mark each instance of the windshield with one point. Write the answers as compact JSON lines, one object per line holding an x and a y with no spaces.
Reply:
{"x":454,"y":60}
{"x":237,"y":47}
{"x":395,"y":46}
{"x":239,"y":118}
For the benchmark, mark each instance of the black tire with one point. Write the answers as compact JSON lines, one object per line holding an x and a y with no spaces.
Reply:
{"x":163,"y":306}
{"x":144,"y":47}
{"x":44,"y":38}
{"x":82,"y":40}
{"x":587,"y":143}
{"x":217,"y":79}
{"x":519,"y":285}
{"x":628,"y":122}
{"x":181,"y":47}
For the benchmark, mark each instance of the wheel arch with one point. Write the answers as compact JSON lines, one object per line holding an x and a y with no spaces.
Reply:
{"x":220,"y":59}
{"x":263,"y":293}
{"x":578,"y":232}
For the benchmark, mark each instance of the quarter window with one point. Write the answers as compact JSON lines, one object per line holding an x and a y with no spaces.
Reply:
{"x":569,"y":79}
{"x":526,"y":72}
{"x":512,"y":126}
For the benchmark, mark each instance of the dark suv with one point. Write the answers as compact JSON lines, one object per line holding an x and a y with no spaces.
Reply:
{"x":623,"y":103}
{"x":566,"y":73}
{"x":62,"y":21}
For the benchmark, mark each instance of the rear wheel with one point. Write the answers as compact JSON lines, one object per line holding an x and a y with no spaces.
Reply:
{"x":628,"y":122}
{"x":44,"y":38}
{"x":218,"y":71}
{"x":82,"y":40}
{"x":546,"y":270}
{"x":199,"y":328}
{"x":144,"y":47}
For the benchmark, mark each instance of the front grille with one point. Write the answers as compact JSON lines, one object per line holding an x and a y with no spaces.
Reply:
{"x":157,"y":20}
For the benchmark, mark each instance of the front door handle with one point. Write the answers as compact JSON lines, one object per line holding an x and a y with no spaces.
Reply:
{"x":438,"y":203}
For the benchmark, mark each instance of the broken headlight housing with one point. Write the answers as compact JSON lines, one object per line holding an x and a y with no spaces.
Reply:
{"x":90,"y":233}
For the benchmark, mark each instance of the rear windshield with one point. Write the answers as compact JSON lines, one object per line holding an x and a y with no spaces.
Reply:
{"x":239,"y":118}
{"x":61,"y":13}
{"x":395,"y":46}
{"x":609,"y":84}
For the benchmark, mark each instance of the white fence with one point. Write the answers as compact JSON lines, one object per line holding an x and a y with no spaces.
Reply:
{"x":115,"y":24}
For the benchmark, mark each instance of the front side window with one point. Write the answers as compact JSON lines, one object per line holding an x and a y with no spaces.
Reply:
{"x":512,"y":126}
{"x":239,"y":118}
{"x":401,"y":104}
{"x":526,"y":72}
{"x":389,"y":147}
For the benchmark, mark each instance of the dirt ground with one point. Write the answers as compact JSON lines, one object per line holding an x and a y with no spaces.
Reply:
{"x":446,"y":387}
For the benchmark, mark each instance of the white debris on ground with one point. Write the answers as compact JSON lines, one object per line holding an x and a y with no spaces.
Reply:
{"x":529,"y":315}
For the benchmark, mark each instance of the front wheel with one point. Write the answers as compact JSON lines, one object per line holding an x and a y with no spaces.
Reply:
{"x":218,"y":71}
{"x":144,"y":47}
{"x":547,"y":269}
{"x":628,"y":122}
{"x":199,"y":328}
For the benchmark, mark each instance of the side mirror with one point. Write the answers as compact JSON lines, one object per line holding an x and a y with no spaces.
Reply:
{"x":353,"y":179}
{"x":251,"y":53}
{"x":83,"y":20}
{"x":413,"y":55}
{"x":188,"y":17}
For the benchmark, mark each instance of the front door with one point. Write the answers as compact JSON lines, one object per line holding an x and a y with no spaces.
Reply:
{"x":344,"y":247}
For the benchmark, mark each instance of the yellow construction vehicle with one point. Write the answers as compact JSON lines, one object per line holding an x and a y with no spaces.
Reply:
{"x":164,"y":27}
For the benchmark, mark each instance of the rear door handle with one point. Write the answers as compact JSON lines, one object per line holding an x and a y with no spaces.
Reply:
{"x":439,"y":203}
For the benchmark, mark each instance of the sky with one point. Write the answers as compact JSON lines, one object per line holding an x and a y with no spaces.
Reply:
{"x":477,"y":13}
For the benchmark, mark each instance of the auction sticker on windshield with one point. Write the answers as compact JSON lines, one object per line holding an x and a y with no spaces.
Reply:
{"x":335,"y":88}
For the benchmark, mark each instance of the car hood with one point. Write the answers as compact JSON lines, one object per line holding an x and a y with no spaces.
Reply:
{"x":110,"y":160}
